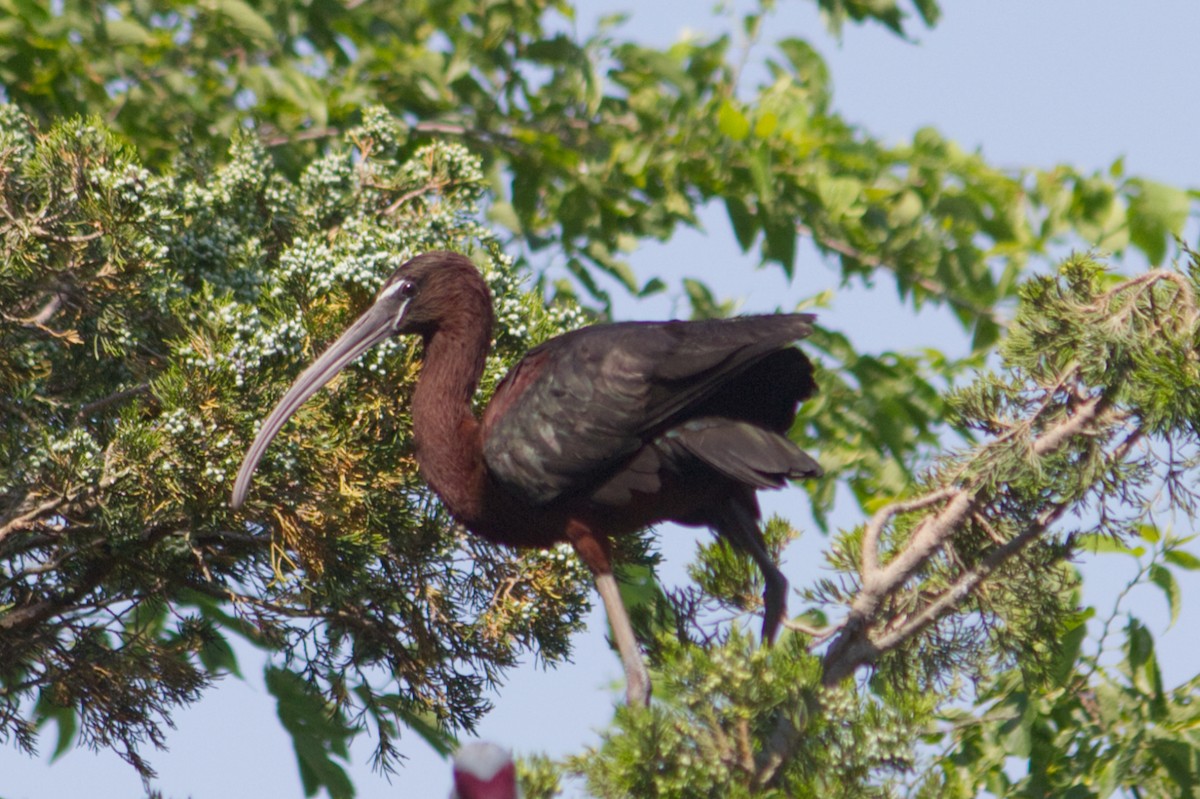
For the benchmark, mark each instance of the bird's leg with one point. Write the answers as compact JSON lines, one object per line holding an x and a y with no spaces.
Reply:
{"x":637,"y":679}
{"x":594,"y":551}
{"x":774,"y":595}
{"x":738,"y":524}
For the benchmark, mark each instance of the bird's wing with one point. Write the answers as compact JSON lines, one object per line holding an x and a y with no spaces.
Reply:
{"x":579,"y":407}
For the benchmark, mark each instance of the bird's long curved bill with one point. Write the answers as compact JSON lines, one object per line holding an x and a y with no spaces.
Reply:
{"x":371,"y":328}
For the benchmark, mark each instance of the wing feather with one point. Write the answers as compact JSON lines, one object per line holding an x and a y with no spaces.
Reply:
{"x":579,"y":407}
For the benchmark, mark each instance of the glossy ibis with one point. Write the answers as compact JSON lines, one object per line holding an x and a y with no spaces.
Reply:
{"x":484,"y":771}
{"x":594,"y":434}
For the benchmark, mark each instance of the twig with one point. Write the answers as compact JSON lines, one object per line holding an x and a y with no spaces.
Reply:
{"x":870,"y":555}
{"x":968,"y":581}
{"x":818,"y":634}
{"x":432,"y":186}
{"x":83,"y":239}
{"x":90,"y":408}
{"x":19,"y":520}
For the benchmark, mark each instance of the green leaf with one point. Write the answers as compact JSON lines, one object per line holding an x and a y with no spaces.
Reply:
{"x":584,"y":276}
{"x":781,"y":241}
{"x":1162,"y":577}
{"x":839,"y":195}
{"x":426,"y":726}
{"x":1156,"y":211}
{"x":64,"y":719}
{"x":766,"y":124}
{"x":638,"y":584}
{"x":929,"y":10}
{"x":247,"y":21}
{"x":123,"y":32}
{"x":317,"y":730}
{"x":704,"y":304}
{"x":558,"y":50}
{"x":212,"y":610}
{"x":1070,"y":645}
{"x":1017,"y":733}
{"x":217,"y":656}
{"x":760,"y":171}
{"x":905,"y":209}
{"x":147,"y":618}
{"x":745,"y":224}
{"x":1097,"y":544}
{"x":1148,"y":532}
{"x":1182,"y":558}
{"x":809,"y":67}
{"x":1178,"y":758}
{"x":986,"y":334}
{"x":732,"y":122}
{"x":644,"y":598}
{"x":32,"y":11}
{"x":612,"y":266}
{"x":423,"y":724}
{"x":654,"y":285}
{"x":1142,"y":662}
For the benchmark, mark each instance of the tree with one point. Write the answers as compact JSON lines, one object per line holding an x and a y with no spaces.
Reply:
{"x":146,"y":315}
{"x":157,"y":297}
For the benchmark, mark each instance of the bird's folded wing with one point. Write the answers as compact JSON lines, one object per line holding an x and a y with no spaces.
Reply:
{"x":579,"y":407}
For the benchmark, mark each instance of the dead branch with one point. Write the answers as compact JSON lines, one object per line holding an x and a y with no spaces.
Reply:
{"x":866,"y":634}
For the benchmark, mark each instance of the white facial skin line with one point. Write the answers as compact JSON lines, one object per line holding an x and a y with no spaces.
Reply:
{"x":399,"y":314}
{"x":392,"y":289}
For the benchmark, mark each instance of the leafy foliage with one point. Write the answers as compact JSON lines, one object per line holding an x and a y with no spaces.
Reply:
{"x":1098,"y":728}
{"x":1082,"y":389}
{"x":740,"y":720}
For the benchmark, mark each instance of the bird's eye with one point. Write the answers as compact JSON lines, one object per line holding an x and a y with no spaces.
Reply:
{"x":402,"y":292}
{"x":401,"y":288}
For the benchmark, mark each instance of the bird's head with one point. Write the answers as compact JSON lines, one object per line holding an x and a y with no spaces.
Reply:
{"x":428,"y":293}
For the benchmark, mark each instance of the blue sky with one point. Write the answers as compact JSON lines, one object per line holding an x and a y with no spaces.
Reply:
{"x":1028,"y":82}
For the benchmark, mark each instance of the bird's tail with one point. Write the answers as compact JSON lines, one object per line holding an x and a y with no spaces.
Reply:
{"x":744,"y":452}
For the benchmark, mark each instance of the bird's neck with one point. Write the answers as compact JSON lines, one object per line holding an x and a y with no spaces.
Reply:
{"x":449,"y":447}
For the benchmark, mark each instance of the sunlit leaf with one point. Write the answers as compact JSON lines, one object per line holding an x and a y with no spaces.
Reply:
{"x":1182,"y":558}
{"x":732,"y":122}
{"x":245,"y":19}
{"x":1156,"y":212}
{"x":1163,"y":578}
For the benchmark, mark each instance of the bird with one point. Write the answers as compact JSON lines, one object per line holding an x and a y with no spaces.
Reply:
{"x":595,"y":434}
{"x":484,"y":771}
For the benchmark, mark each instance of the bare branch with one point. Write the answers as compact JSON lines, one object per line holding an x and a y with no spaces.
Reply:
{"x":21,"y":519}
{"x":870,"y":555}
{"x":967,"y":582}
{"x":864,"y":635}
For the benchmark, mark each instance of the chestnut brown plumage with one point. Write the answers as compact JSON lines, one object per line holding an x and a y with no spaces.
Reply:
{"x":595,"y":434}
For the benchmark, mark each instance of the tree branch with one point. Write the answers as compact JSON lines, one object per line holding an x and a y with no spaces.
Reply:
{"x":863,"y":636}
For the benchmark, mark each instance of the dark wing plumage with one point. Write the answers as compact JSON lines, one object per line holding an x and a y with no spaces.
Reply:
{"x":577,"y":409}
